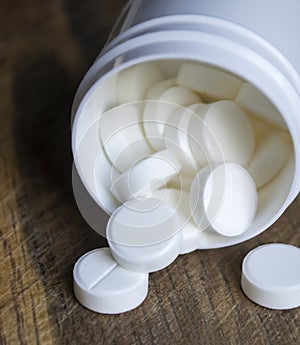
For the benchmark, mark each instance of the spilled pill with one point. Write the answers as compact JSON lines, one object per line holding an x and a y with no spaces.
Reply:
{"x":144,"y":235}
{"x":102,"y":285}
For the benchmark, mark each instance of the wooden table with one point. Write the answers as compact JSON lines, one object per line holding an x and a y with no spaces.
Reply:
{"x":45,"y":48}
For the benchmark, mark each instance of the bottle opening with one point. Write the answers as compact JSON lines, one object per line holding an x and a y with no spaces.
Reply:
{"x":203,"y":116}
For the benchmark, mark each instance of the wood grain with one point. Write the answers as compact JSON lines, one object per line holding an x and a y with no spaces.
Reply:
{"x":45,"y":48}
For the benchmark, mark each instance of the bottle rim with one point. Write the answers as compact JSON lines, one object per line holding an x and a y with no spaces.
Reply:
{"x":208,"y":49}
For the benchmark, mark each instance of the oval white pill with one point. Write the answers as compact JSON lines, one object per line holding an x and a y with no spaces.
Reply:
{"x":272,"y":152}
{"x":224,"y":198}
{"x":271,"y":276}
{"x":102,"y":285}
{"x":209,"y":81}
{"x":224,"y":132}
{"x":179,"y":200}
{"x":147,"y":174}
{"x":122,"y":135}
{"x":144,"y":235}
{"x":255,"y":102}
{"x":176,"y":136}
{"x":133,"y":82}
{"x":155,"y":118}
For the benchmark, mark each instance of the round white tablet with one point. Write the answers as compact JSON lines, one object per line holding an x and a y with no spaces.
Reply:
{"x":176,"y":136}
{"x":144,"y":235}
{"x":147,"y":174}
{"x":133,"y":82}
{"x":224,"y":132}
{"x":156,"y":117}
{"x":224,"y":198}
{"x":122,"y":135}
{"x":271,"y":276}
{"x":102,"y":285}
{"x":179,"y":200}
{"x":272,"y":152}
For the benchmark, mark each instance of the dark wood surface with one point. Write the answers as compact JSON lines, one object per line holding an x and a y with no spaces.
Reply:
{"x":45,"y":48}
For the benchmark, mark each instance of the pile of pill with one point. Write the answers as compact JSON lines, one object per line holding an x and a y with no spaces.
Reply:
{"x":186,"y":155}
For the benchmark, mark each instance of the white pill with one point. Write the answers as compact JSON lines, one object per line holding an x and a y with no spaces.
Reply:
{"x":144,"y":235}
{"x":181,"y":182}
{"x":133,"y":82}
{"x":146,"y":175}
{"x":177,"y":138}
{"x":179,"y":200}
{"x":255,"y":102}
{"x":209,"y":81}
{"x":123,"y":137}
{"x":155,"y":118}
{"x":271,"y":276}
{"x":224,"y":132}
{"x":102,"y":285}
{"x":224,"y":198}
{"x":104,"y":175}
{"x":272,"y":152}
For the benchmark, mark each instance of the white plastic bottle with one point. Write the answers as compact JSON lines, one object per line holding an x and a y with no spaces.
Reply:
{"x":252,"y":39}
